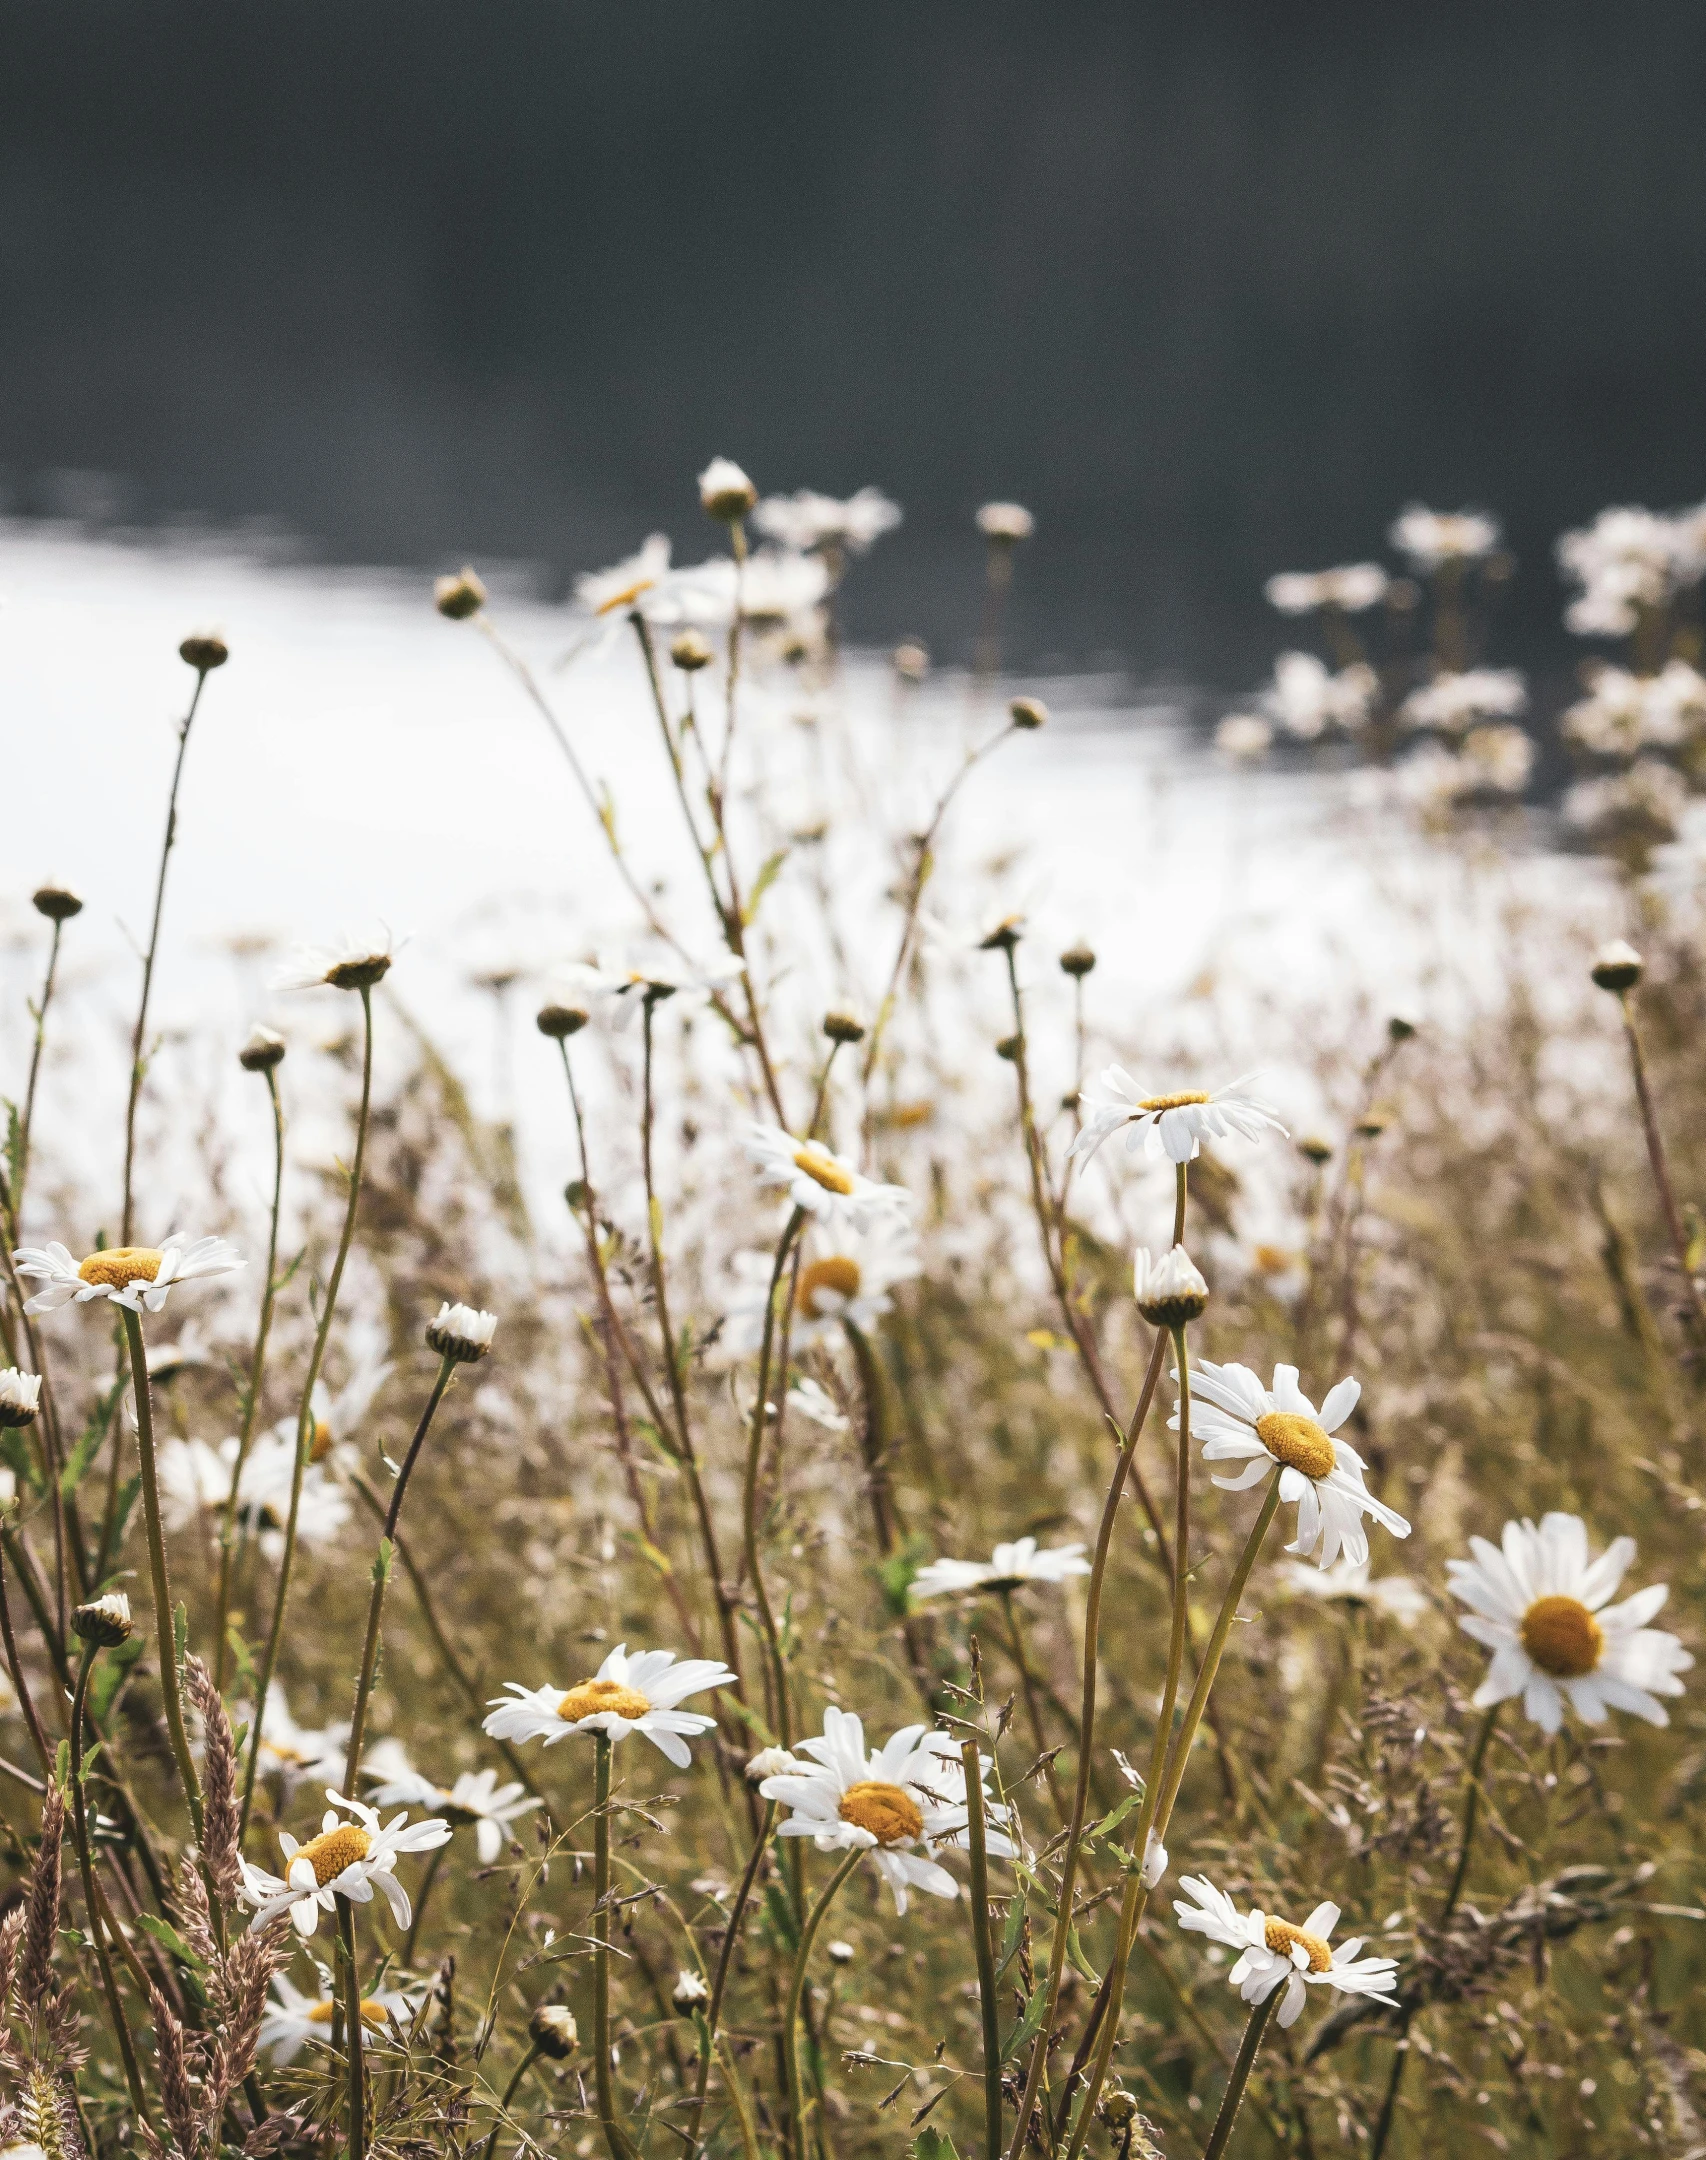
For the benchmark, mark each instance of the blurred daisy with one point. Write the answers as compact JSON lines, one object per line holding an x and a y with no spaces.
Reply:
{"x":823,"y":1183}
{"x":809,"y":520}
{"x":1275,"y":1953}
{"x":347,"y":1859}
{"x":901,"y":1803}
{"x":1453,"y":702}
{"x":1005,"y":521}
{"x":1496,"y":760}
{"x":1432,"y":537}
{"x":351,"y":964}
{"x":816,"y":1403}
{"x":291,"y":2019}
{"x":846,"y":1282}
{"x":194,"y":1479}
{"x":1306,"y":697}
{"x":130,"y":1275}
{"x":1237,"y":1419}
{"x":475,"y":1798}
{"x":1243,"y":737}
{"x":1646,"y":803}
{"x":617,"y":995}
{"x":614,"y":592}
{"x":1626,"y":561}
{"x":1170,"y":1125}
{"x":627,"y":1694}
{"x":1351,"y":588}
{"x":1542,"y":1607}
{"x":1009,"y":1567}
{"x":1348,"y":1582}
{"x":292,"y":1752}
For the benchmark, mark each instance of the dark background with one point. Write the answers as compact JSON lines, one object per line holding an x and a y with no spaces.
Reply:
{"x":1214,"y":289}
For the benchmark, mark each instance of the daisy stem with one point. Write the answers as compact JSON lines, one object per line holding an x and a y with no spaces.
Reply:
{"x":615,"y":2136}
{"x":357,"y":2148}
{"x":1241,"y":2069}
{"x":1028,"y":1684}
{"x":754,"y":1462}
{"x":252,"y":1401}
{"x":1656,"y":1156}
{"x":94,"y":1902}
{"x":720,"y":1980}
{"x":382,"y":1575}
{"x":28,"y":1118}
{"x":20,"y":1685}
{"x":987,"y":1999}
{"x":162,"y":1582}
{"x":138,"y":1064}
{"x":305,"y":1415}
{"x":521,"y":2069}
{"x":796,"y":1995}
{"x":1471,"y":1810}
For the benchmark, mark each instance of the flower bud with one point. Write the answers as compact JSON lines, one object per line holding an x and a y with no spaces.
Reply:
{"x":1400,"y":1028}
{"x":553,"y":2031}
{"x":1004,"y":521}
{"x":204,"y":650}
{"x":105,"y":1621}
{"x":1077,"y":961}
{"x":1169,"y":1291}
{"x":690,"y":652}
{"x":459,"y":596}
{"x":1118,"y":2109}
{"x":57,"y":902}
{"x":560,"y":1021}
{"x":1027,"y":713}
{"x":725,"y":491}
{"x":20,"y":1397}
{"x":461,"y":1333}
{"x":839,"y":1952}
{"x":912,"y":661}
{"x":689,"y":1993}
{"x":841,"y":1027}
{"x":262,"y":1052}
{"x":1010,"y":1047}
{"x":1318,"y":1150}
{"x":1617,"y":966}
{"x":1154,"y":1861}
{"x":1004,"y":936}
{"x":1374,"y":1121}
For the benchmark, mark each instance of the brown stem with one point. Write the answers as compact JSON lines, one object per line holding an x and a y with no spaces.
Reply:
{"x":1660,"y":1166}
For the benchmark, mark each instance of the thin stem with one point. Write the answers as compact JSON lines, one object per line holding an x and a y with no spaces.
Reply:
{"x":305,"y":1415}
{"x":137,"y":1061}
{"x":20,"y":1686}
{"x":429,"y":1876}
{"x":28,"y":1119}
{"x":796,"y":1995}
{"x":354,"y":2038}
{"x":754,"y":1462}
{"x":725,"y":1960}
{"x":1471,"y":1809}
{"x":1656,"y":1156}
{"x":985,"y":1950}
{"x":615,"y":2135}
{"x":382,"y":1575}
{"x":162,"y":1583}
{"x":510,"y":2090}
{"x":257,"y":1370}
{"x":1028,"y":1686}
{"x":1240,"y":2075}
{"x":94,"y":1903}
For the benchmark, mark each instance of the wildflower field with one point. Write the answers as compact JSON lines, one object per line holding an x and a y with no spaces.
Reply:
{"x":1008,"y":1573}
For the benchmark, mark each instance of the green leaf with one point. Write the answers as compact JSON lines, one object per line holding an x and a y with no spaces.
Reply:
{"x":1010,"y":1938}
{"x":244,"y":1661}
{"x":62,"y":1763}
{"x":164,"y":1932}
{"x":1026,"y":2030}
{"x":17,"y":1455}
{"x":1115,"y":1815}
{"x":761,"y":885}
{"x":14,"y":1135}
{"x":127,"y":1493}
{"x":382,"y":1561}
{"x":933,"y":2144}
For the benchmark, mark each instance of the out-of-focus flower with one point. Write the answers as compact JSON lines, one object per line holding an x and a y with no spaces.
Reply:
{"x":1009,"y":1567}
{"x":292,"y":2019}
{"x":1453,"y":702}
{"x":725,"y":491}
{"x":1005,"y":521}
{"x":823,"y":1183}
{"x":808,"y":520}
{"x":1644,"y":804}
{"x":625,"y":584}
{"x":1496,"y":760}
{"x":476,"y":1798}
{"x":1349,"y":1582}
{"x":1623,"y":713}
{"x":292,"y":1752}
{"x":352,"y":964}
{"x":1307,"y":698}
{"x":1276,"y":1954}
{"x":1430,"y":538}
{"x":1350,"y":588}
{"x":845,"y":1283}
{"x":1170,"y":1125}
{"x":627,"y":1694}
{"x":1627,"y":560}
{"x":134,"y":1276}
{"x":616,"y":995}
{"x":1244,"y":737}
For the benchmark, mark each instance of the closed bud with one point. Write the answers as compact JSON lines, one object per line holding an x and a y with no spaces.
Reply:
{"x":553,"y":2031}
{"x":1374,"y":1121}
{"x":459,"y":595}
{"x":1119,"y":2109}
{"x":20,"y":1398}
{"x":690,"y":651}
{"x":561,"y":1021}
{"x":57,"y":902}
{"x":1617,"y":966}
{"x":574,"y":1192}
{"x":1077,"y":961}
{"x":840,"y":1953}
{"x":725,"y":491}
{"x":841,"y":1027}
{"x":1318,"y":1150}
{"x":461,"y":1333}
{"x":912,"y":661}
{"x":1027,"y":713}
{"x":204,"y":650}
{"x":1005,"y":522}
{"x":263,"y":1051}
{"x":1004,"y":936}
{"x":1009,"y":1048}
{"x":689,"y":1993}
{"x":105,"y":1621}
{"x":1170,"y":1292}
{"x":1400,"y":1028}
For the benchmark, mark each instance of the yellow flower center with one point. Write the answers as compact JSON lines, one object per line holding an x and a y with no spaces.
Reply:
{"x":334,"y":1850}
{"x":320,"y":1446}
{"x":1298,"y":1442}
{"x":1170,"y":1102}
{"x":822,"y":1171}
{"x":888,"y":1812}
{"x":595,"y":1696}
{"x":838,"y":1275}
{"x":1283,"y":1939}
{"x":1562,"y":1637}
{"x":121,"y":1264}
{"x":372,"y":2013}
{"x":627,"y":595}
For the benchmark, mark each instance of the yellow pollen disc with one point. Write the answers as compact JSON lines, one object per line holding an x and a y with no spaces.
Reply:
{"x":372,"y":2013}
{"x":321,"y":1444}
{"x":627,"y":594}
{"x":1298,"y":1442}
{"x":595,"y":1696}
{"x":1562,"y":1637}
{"x":334,"y":1850}
{"x":121,"y":1264}
{"x":1283,"y":1939}
{"x":822,"y":1171}
{"x":1170,"y":1102}
{"x":838,"y":1275}
{"x":888,"y":1812}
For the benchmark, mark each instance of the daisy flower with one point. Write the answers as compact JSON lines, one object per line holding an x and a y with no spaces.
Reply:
{"x":292,"y":1752}
{"x":1432,"y":537}
{"x":1009,"y":1567}
{"x":618,"y":994}
{"x":1351,"y":588}
{"x":1453,"y":702}
{"x":351,"y":964}
{"x":346,"y":1859}
{"x":626,"y":1694}
{"x":814,"y":1401}
{"x":1237,"y":1419}
{"x":899,"y":1803}
{"x":1170,"y":1125}
{"x":615,"y":591}
{"x":475,"y":1798}
{"x":846,"y":1282}
{"x":1275,"y":1953}
{"x":130,"y":1275}
{"x":1542,"y":1607}
{"x":292,"y":2019}
{"x":823,"y":1183}
{"x":1307,"y":698}
{"x":809,"y":520}
{"x":1348,"y":1582}
{"x":20,"y":1398}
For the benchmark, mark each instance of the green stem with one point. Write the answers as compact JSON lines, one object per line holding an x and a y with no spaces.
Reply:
{"x":161,"y":1580}
{"x":357,"y":2148}
{"x":796,"y":1995}
{"x":720,"y":1980}
{"x":754,"y":1462}
{"x":35,"y":1070}
{"x":985,"y":1950}
{"x":615,"y":2134}
{"x":93,"y":1902}
{"x":305,"y":1415}
{"x":521,"y":2069}
{"x":1471,"y":1809}
{"x":1241,"y":2075}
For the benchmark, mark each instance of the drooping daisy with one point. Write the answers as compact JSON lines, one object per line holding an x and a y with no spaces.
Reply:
{"x":1237,"y":1419}
{"x":901,"y":1803}
{"x":1348,"y":1582}
{"x":353,"y":963}
{"x":131,"y":1275}
{"x":1432,"y":537}
{"x":1009,"y":1567}
{"x":20,"y":1398}
{"x":475,"y":1798}
{"x":846,"y":1281}
{"x":1170,"y":1125}
{"x":346,"y":1859}
{"x":823,"y":1183}
{"x":292,"y":2019}
{"x":626,"y":1694}
{"x":1542,"y":1607}
{"x":1275,"y":1953}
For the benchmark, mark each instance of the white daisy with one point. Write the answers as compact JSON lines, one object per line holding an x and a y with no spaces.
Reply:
{"x":346,"y":1859}
{"x":292,"y":2019}
{"x":20,"y":1397}
{"x":292,"y":1752}
{"x":1009,"y":1567}
{"x":820,"y":1181}
{"x":353,"y":963}
{"x":195,"y":1479}
{"x":1349,"y":1582}
{"x":627,"y":1694}
{"x":1243,"y":737}
{"x":847,"y":1281}
{"x":130,"y":1275}
{"x":1452,"y":702}
{"x":1237,"y":1419}
{"x":1306,"y":697}
{"x":814,"y":1401}
{"x":809,"y":520}
{"x":1432,"y":537}
{"x":475,"y":1798}
{"x":1275,"y":1953}
{"x":617,"y":995}
{"x":616,"y":591}
{"x":1497,"y":760}
{"x":1005,"y":521}
{"x":1352,"y":587}
{"x":1170,"y":1125}
{"x":900,"y":1803}
{"x":1541,"y":1606}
